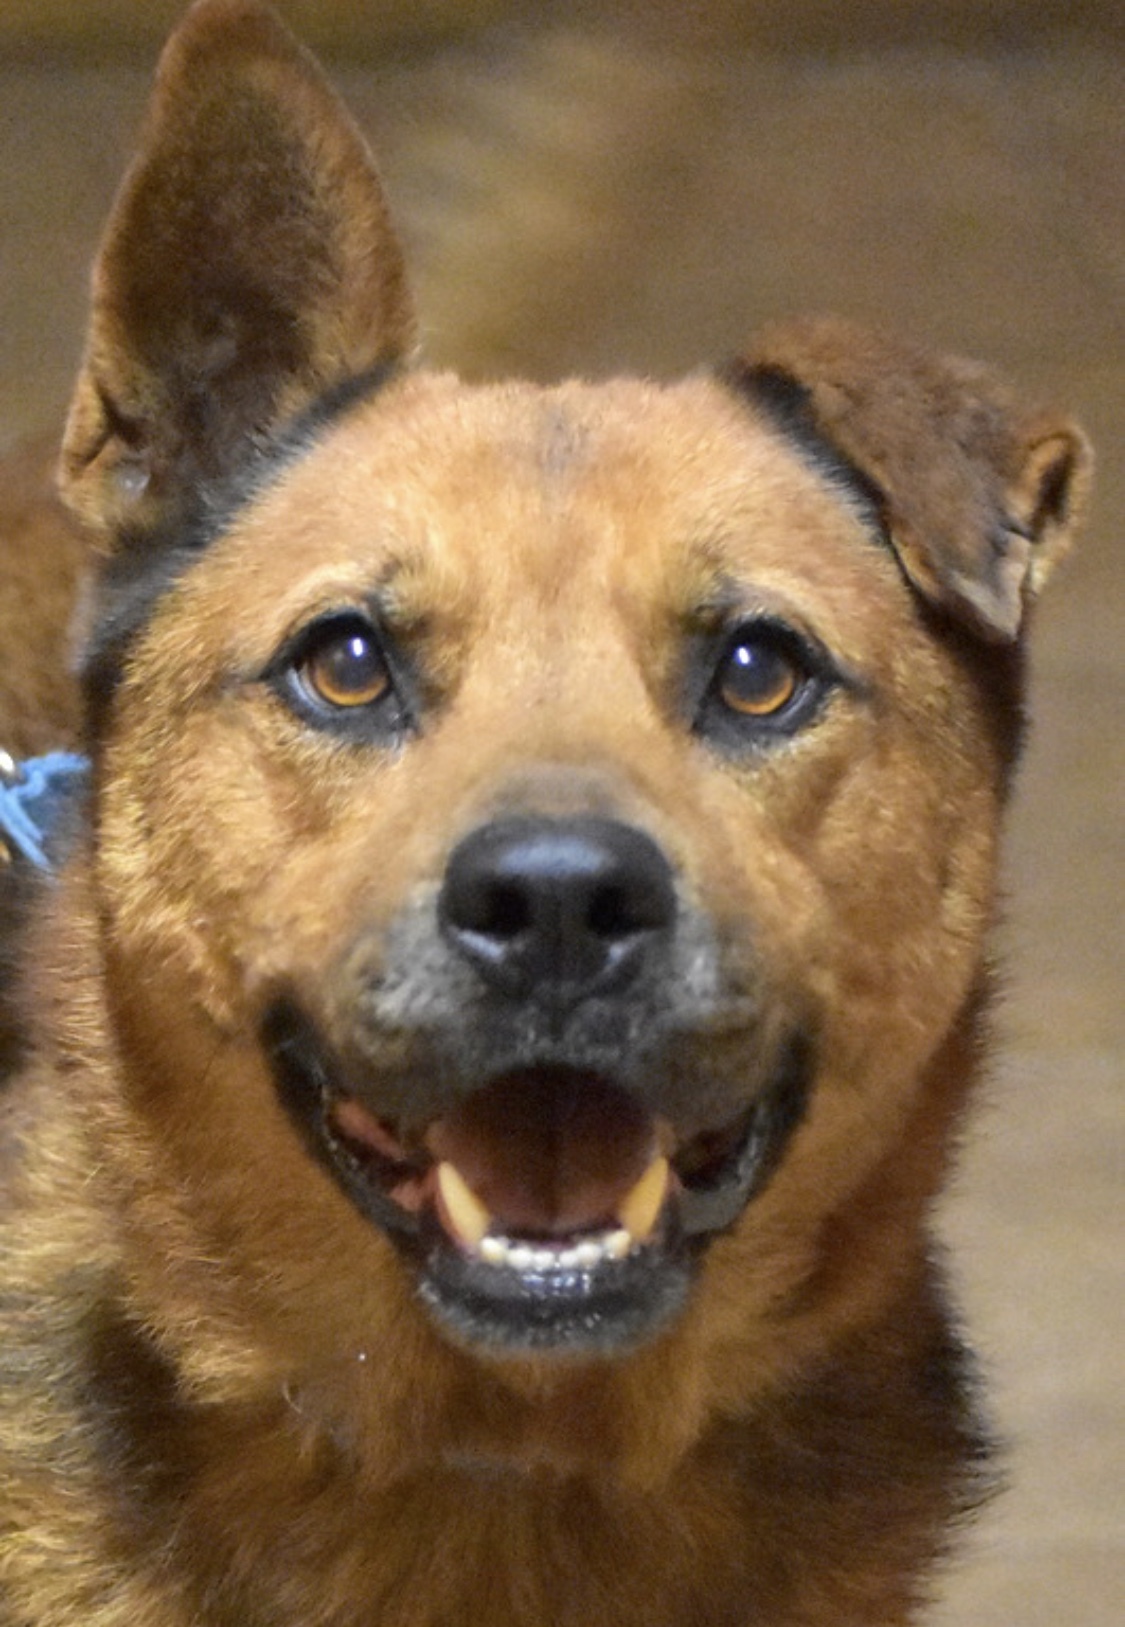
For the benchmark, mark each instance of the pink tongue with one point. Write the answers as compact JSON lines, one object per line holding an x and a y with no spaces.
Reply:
{"x":548,"y":1152}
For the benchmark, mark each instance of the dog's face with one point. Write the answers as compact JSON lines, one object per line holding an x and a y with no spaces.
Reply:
{"x":560,"y":794}
{"x":540,"y":832}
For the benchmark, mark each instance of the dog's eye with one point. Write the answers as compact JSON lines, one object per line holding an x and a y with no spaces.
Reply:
{"x":342,"y":664}
{"x":758,"y":678}
{"x":340,"y":674}
{"x":767,"y":682}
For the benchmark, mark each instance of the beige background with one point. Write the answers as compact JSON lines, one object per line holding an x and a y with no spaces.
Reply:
{"x":601,"y":187}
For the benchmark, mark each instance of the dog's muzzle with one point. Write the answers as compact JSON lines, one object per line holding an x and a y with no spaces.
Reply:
{"x":547,"y":1190}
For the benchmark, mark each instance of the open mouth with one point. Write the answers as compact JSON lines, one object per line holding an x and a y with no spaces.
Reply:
{"x":549,"y":1209}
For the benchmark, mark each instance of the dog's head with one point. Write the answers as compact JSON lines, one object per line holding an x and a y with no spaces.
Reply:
{"x":545,"y":834}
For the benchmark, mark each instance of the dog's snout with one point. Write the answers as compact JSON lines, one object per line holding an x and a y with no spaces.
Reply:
{"x":557,"y":908}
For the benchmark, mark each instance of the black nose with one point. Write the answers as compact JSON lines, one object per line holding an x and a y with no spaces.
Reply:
{"x":557,"y":908}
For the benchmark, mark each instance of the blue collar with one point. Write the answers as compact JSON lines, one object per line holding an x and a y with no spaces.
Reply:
{"x":34,"y":797}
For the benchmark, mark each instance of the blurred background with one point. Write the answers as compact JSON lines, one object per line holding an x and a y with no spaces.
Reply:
{"x":634,"y":186}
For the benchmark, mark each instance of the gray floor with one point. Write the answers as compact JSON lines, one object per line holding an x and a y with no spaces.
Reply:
{"x":575,"y":204}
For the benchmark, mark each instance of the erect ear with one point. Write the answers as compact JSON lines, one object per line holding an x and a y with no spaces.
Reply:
{"x":979,"y":497}
{"x":248,"y":270}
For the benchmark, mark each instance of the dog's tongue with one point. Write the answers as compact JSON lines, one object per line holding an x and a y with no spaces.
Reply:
{"x":546,"y":1153}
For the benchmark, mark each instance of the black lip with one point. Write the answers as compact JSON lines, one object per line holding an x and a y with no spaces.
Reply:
{"x":612,"y":1306}
{"x":714,"y":1203}
{"x":607,"y":1309}
{"x":305,"y":1080}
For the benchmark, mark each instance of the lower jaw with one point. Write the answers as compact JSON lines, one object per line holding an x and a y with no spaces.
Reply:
{"x":603,"y":1310}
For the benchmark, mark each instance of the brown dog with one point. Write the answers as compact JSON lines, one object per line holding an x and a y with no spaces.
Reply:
{"x":501,"y":1032}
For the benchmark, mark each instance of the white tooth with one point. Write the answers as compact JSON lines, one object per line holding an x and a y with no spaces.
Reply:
{"x":570,"y":1259}
{"x":640,"y":1208}
{"x":617,"y":1244}
{"x":467,"y":1214}
{"x":588,"y":1253}
{"x":545,"y":1259}
{"x":494,"y":1250}
{"x":521,"y":1257}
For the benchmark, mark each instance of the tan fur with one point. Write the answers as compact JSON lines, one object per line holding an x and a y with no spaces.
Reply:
{"x":221,"y":1402}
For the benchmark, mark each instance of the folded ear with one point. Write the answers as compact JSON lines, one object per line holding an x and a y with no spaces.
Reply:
{"x":248,"y":270}
{"x":979,"y":497}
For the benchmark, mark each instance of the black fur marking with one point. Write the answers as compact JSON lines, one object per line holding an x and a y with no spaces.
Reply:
{"x":787,"y":403}
{"x":130,"y":1402}
{"x":146,"y":564}
{"x":880,"y":1437}
{"x":999,"y":672}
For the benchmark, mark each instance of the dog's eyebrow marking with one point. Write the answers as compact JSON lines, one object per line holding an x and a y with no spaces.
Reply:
{"x":725,"y":599}
{"x":145,"y":565}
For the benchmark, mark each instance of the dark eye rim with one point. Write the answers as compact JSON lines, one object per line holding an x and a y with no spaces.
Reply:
{"x":815,"y":675}
{"x":386,"y":717}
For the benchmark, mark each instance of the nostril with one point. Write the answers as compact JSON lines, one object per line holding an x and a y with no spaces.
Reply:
{"x":504,"y":912}
{"x":617,"y":912}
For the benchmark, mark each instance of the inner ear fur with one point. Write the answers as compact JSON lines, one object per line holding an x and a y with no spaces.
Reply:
{"x":979,"y":497}
{"x":248,"y":269}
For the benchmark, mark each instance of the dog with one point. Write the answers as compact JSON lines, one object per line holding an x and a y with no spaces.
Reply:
{"x":492,"y":1045}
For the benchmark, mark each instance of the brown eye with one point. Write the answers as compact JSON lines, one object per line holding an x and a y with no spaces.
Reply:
{"x":345,"y":666}
{"x":758,"y":677}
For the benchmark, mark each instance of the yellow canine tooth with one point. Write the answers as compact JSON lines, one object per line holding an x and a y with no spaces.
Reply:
{"x":640,"y":1208}
{"x":467,"y":1215}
